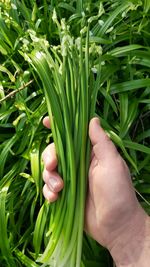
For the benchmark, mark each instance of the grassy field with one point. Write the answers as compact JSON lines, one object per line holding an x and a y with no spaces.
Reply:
{"x":119,"y":41}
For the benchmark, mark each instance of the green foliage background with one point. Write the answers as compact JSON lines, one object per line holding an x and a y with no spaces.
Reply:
{"x":120,"y":30}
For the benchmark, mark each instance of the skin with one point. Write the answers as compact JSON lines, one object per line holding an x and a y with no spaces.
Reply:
{"x":113,"y":215}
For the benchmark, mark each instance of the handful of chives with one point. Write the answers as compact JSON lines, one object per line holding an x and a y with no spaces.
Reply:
{"x":70,"y":88}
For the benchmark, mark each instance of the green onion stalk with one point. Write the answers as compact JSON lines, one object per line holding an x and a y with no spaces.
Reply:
{"x":70,"y":87}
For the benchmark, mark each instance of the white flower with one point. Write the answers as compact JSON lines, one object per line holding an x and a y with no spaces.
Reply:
{"x":54,"y":16}
{"x":101,"y":22}
{"x":84,"y":30}
{"x":78,"y":43}
{"x":67,"y":41}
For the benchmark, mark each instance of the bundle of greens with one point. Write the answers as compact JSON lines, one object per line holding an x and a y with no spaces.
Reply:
{"x":70,"y":84}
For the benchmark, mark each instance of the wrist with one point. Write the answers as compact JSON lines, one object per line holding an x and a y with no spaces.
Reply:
{"x":132,"y":246}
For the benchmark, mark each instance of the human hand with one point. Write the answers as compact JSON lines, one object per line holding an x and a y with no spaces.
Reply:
{"x":112,"y":211}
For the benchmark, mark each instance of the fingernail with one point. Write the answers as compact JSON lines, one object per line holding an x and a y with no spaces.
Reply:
{"x":53,"y":182}
{"x":97,"y":120}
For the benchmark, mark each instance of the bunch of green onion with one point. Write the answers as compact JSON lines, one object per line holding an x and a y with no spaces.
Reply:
{"x":70,"y":87}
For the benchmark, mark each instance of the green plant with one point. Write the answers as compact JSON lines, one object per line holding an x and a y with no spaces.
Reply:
{"x":70,"y":89}
{"x":121,"y":31}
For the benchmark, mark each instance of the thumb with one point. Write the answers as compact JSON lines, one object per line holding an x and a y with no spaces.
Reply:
{"x":102,"y":144}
